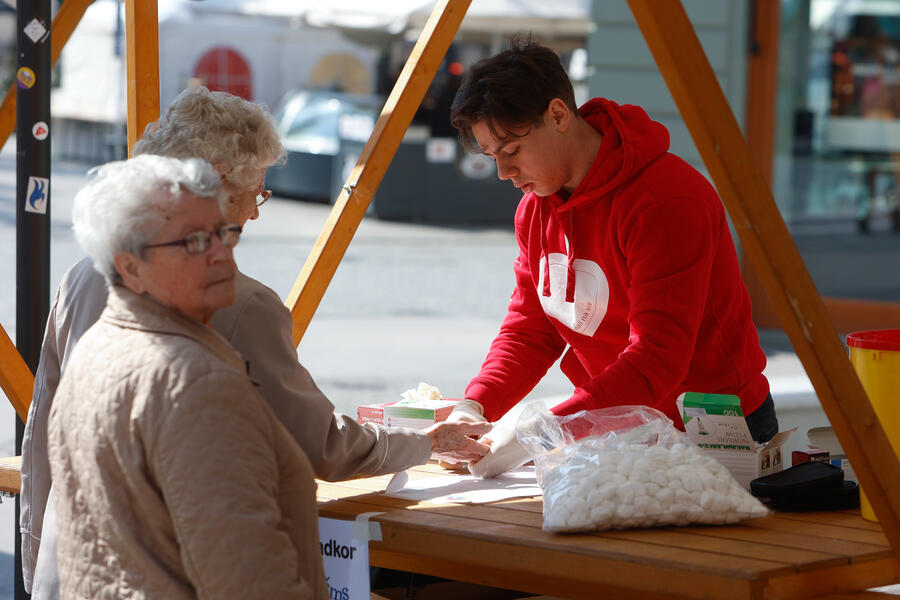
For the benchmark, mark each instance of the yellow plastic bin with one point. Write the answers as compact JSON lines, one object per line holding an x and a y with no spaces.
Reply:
{"x":876,"y":357}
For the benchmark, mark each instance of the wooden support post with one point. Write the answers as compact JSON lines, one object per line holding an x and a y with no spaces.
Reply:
{"x":64,"y":23}
{"x":376,"y":156}
{"x":16,"y":379}
{"x":762,"y":86}
{"x":768,"y":243}
{"x":142,"y":66}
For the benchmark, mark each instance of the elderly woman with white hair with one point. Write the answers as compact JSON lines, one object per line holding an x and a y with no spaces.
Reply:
{"x":173,"y":478}
{"x":239,"y":139}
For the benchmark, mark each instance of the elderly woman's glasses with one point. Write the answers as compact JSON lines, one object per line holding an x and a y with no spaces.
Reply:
{"x":263,"y":197}
{"x":197,"y":242}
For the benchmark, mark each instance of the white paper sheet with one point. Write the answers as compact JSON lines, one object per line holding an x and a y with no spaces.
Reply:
{"x":466,"y":489}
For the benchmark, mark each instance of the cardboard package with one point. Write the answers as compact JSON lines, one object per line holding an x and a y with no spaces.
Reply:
{"x":417,"y":414}
{"x":716,"y":424}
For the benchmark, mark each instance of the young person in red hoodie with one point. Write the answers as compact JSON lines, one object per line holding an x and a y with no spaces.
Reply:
{"x":626,"y":265}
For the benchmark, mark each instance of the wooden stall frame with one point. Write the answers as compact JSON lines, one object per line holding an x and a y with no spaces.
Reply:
{"x":142,"y":66}
{"x":768,"y":244}
{"x":16,"y":379}
{"x":373,"y":162}
{"x":743,"y":189}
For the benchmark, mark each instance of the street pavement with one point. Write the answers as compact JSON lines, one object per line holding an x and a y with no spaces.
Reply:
{"x":408,"y":303}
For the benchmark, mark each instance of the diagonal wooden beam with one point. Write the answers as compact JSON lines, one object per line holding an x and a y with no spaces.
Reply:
{"x":373,"y":162}
{"x":16,"y":379}
{"x":64,"y":23}
{"x":142,"y":66}
{"x":768,"y":243}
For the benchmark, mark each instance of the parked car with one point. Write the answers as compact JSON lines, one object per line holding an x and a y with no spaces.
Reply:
{"x":313,"y":124}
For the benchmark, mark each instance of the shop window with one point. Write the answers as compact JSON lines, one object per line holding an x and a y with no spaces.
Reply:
{"x":837,"y":151}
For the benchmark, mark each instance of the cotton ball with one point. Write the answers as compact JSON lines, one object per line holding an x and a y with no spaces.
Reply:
{"x":578,"y":504}
{"x":675,"y":484}
{"x":723,"y":503}
{"x":652,"y":489}
{"x":690,"y":483}
{"x":660,"y":477}
{"x":640,"y":504}
{"x":654,"y":507}
{"x":678,"y":515}
{"x":577,"y":519}
{"x":666,"y":496}
{"x":602,"y":512}
{"x":707,"y":499}
{"x":694,"y":513}
{"x":708,"y":517}
{"x":644,"y":464}
{"x":750,"y":506}
{"x":683,"y":497}
{"x":563,"y":504}
{"x":655,"y":454}
{"x":609,"y":490}
{"x":579,"y":489}
{"x":624,"y":511}
{"x":707,"y":481}
{"x":638,"y":487}
{"x":722,"y":485}
{"x":625,"y":466}
{"x":595,"y":496}
{"x":625,"y":493}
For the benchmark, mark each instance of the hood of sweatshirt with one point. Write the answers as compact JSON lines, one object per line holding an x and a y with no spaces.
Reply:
{"x":631,"y":141}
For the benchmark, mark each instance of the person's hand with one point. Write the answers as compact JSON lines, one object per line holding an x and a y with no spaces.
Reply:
{"x":453,"y":442}
{"x":506,"y":452}
{"x":467,"y":411}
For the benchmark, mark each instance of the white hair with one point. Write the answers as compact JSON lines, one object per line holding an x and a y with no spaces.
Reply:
{"x":218,"y":127}
{"x":121,"y":208}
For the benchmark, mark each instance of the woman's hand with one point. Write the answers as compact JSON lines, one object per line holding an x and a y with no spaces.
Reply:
{"x":454,"y":442}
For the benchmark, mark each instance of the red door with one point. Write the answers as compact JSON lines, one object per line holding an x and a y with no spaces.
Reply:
{"x":223,"y":69}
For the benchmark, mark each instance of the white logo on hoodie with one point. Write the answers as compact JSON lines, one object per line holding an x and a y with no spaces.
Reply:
{"x":591,"y":294}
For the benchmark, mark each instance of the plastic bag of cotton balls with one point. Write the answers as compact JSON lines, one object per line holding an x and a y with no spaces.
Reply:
{"x":627,"y":466}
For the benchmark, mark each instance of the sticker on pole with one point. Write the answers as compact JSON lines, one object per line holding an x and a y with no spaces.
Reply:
{"x":25,"y":78}
{"x":40,"y":131}
{"x":36,"y":198}
{"x":36,"y":31}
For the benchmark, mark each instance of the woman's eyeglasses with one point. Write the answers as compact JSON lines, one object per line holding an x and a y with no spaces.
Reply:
{"x":197,"y":242}
{"x":263,"y":197}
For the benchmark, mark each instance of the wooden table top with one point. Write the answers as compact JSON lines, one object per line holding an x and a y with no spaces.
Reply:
{"x":786,"y":556}
{"x":10,"y":474}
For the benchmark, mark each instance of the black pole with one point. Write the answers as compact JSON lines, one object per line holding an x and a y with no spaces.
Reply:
{"x":33,"y":74}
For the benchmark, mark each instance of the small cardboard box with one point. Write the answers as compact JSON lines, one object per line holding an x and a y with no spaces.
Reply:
{"x":715,"y":423}
{"x":418,"y":414}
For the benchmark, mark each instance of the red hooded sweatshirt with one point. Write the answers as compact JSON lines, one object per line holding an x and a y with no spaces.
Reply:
{"x":637,"y":274}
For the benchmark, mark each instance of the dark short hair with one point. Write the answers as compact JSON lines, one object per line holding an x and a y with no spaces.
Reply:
{"x":510,"y":90}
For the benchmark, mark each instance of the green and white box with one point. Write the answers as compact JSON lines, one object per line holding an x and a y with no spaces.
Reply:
{"x":716,"y":424}
{"x":417,"y":414}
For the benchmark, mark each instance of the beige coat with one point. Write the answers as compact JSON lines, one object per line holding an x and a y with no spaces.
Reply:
{"x":259,"y":326}
{"x":173,"y":478}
